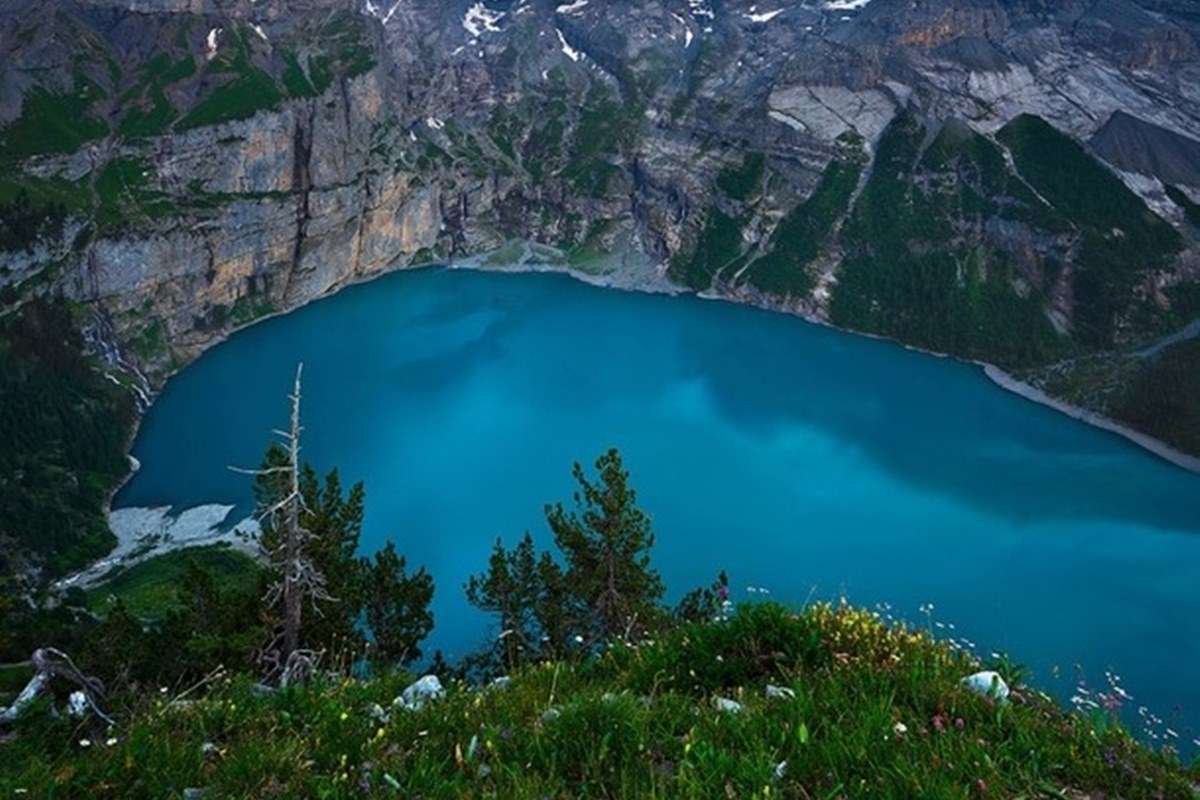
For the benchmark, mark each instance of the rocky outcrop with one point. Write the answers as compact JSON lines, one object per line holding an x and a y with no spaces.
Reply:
{"x":1132,"y":145}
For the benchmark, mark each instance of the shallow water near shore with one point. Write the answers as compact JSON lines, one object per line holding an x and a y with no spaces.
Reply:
{"x":805,"y":461}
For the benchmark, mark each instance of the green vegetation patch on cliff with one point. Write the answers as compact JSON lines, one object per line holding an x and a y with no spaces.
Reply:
{"x":64,"y":428}
{"x":798,"y":239}
{"x":869,"y":710}
{"x":719,"y":249}
{"x":1161,"y":399}
{"x":740,"y":181}
{"x":605,"y":128}
{"x":249,"y":92}
{"x":153,"y":112}
{"x":33,"y":209}
{"x":917,"y":266}
{"x":1120,"y":237}
{"x":53,"y":122}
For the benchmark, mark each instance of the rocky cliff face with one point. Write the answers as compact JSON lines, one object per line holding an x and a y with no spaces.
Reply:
{"x":1012,"y":181}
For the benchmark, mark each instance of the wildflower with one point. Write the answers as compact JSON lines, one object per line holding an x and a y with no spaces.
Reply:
{"x":345,"y":716}
{"x":939,"y":723}
{"x":379,"y":733}
{"x":110,"y":742}
{"x":960,"y":723}
{"x":85,"y":742}
{"x":900,"y":728}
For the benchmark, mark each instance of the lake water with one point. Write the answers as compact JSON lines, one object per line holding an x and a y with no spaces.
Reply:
{"x":805,"y":461}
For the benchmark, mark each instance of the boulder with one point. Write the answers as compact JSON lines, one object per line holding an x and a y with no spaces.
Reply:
{"x":727,"y":705}
{"x":780,"y":693}
{"x":421,"y":693}
{"x":989,"y":684}
{"x":77,"y":704}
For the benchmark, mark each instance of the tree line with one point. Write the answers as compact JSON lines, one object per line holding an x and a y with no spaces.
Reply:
{"x":317,"y":605}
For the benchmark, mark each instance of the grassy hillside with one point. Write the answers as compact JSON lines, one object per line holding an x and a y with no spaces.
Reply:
{"x":149,"y":589}
{"x":877,"y":711}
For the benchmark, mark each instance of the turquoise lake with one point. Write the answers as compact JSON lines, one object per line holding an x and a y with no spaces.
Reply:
{"x":805,"y":461}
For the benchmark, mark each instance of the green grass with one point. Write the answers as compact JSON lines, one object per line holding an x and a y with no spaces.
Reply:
{"x":148,"y":589}
{"x":635,"y":722}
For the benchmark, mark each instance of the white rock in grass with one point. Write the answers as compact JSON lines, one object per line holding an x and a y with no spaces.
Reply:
{"x":988,"y":684}
{"x":424,"y":691}
{"x":502,"y":682}
{"x":780,"y":693}
{"x":77,"y":704}
{"x":727,"y":705}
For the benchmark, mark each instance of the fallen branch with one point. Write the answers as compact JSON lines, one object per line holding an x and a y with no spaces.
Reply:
{"x":49,"y":663}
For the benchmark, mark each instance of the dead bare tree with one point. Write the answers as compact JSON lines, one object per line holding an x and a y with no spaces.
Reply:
{"x":299,"y":579}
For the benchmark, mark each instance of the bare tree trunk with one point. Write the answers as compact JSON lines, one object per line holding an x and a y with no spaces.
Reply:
{"x":293,"y":600}
{"x":299,"y":579}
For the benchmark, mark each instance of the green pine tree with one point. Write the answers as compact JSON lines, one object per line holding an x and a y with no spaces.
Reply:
{"x":396,"y":606}
{"x":606,"y":544}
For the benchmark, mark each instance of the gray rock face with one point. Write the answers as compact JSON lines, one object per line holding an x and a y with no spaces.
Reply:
{"x":1133,"y":145}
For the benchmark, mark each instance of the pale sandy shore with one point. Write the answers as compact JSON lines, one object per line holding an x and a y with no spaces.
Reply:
{"x":143,"y":533}
{"x":1159,"y":448}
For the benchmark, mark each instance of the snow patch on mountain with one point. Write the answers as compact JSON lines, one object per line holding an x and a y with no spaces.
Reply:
{"x":763,"y":16}
{"x":570,"y":52}
{"x":480,"y":19}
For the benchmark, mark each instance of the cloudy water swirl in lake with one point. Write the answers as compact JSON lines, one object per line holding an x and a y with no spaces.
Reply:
{"x":802,"y":460}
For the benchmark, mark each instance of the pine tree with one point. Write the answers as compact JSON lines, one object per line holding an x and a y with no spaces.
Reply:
{"x":705,"y":603}
{"x":606,"y":543}
{"x":509,"y":589}
{"x":397,"y":606}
